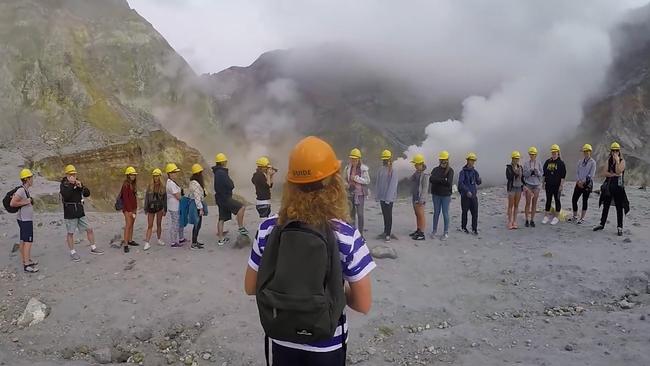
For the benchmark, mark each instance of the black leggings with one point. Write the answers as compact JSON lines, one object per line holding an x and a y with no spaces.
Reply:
{"x":387,"y":212}
{"x":616,"y":195}
{"x":577,"y":192}
{"x":196,"y":229}
{"x":553,"y":193}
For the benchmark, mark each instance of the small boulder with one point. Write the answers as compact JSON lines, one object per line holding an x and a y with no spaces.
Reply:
{"x":143,"y":334}
{"x":35,"y":312}
{"x":67,"y":353}
{"x":103,"y":355}
{"x":383,"y":251}
{"x":625,"y":305}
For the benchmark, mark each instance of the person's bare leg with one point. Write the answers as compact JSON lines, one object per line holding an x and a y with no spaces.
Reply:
{"x":125,"y":234}
{"x":132,"y":227}
{"x":220,"y":229}
{"x":510,"y":204}
{"x":27,"y":249}
{"x":159,"y":217}
{"x":583,"y":214}
{"x":91,"y":237}
{"x":150,"y":218}
{"x":240,"y":217}
{"x":70,"y":241}
{"x":21,"y":249}
{"x":515,"y":210}
{"x":527,"y":206}
{"x":533,"y":209}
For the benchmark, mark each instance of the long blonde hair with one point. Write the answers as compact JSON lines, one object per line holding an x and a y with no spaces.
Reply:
{"x":315,"y":207}
{"x":156,"y":187}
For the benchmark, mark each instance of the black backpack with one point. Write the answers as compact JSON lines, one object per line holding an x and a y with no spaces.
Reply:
{"x":300,"y":291}
{"x":6,"y":202}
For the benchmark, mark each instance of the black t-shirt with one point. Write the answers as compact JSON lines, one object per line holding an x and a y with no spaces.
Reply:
{"x":262,"y":188}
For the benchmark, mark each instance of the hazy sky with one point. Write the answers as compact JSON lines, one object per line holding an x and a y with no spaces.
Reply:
{"x":215,"y":34}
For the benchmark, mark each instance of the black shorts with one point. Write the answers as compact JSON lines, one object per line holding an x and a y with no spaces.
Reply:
{"x":263,"y":210}
{"x":26,"y":231}
{"x":228,"y":208}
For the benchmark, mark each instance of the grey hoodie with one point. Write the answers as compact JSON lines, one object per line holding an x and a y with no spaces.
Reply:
{"x":386,"y":189}
{"x":533,"y":173}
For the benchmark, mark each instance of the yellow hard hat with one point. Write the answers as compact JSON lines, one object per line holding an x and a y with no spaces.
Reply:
{"x":171,"y":168}
{"x":220,"y":158}
{"x":197,"y":168}
{"x":386,"y":155}
{"x":130,"y":171}
{"x":515,"y":155}
{"x":418,"y":159}
{"x":355,"y":153}
{"x":26,"y":173}
{"x":263,"y":162}
{"x":70,"y":169}
{"x":587,"y":147}
{"x":471,"y":156}
{"x":615,"y":146}
{"x":156,"y":172}
{"x":444,"y":155}
{"x":555,"y":148}
{"x":532,"y":150}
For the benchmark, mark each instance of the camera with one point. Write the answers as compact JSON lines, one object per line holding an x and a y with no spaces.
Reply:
{"x":274,"y":169}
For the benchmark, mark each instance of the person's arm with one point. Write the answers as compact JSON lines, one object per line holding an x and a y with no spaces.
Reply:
{"x":509,"y":173}
{"x":146,"y":199}
{"x":450,"y":177}
{"x":461,"y":182}
{"x":620,"y":166}
{"x":197,"y":194}
{"x":364,"y":178}
{"x":434,"y":179}
{"x":392,"y":186}
{"x":358,"y":295}
{"x":478,"y":178}
{"x":424,"y":187}
{"x":250,"y":281}
{"x":19,"y":201}
{"x":592,"y":170}
{"x":176,"y":191}
{"x":562,"y":174}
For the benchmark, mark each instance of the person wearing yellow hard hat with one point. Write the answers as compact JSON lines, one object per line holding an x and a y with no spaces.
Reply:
{"x":585,"y":173}
{"x":468,"y":182}
{"x":357,"y":176}
{"x":386,"y":193}
{"x":263,"y":181}
{"x":533,"y":174}
{"x":614,"y":189}
{"x":419,"y":190}
{"x":197,"y":206}
{"x":155,"y":206}
{"x":309,"y":245}
{"x":514,"y":187}
{"x":128,"y":204}
{"x":20,"y":202}
{"x":228,"y":206}
{"x":174,"y":194}
{"x":73,"y":192}
{"x":441,"y":181}
{"x":553,"y":184}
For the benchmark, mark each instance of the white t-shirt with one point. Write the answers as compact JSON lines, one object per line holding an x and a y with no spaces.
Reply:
{"x":172,"y":202}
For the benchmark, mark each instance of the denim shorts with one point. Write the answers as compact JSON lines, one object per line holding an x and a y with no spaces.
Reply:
{"x":80,"y":224}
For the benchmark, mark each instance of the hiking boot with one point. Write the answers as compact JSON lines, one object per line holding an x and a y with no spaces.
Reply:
{"x":96,"y":251}
{"x":126,"y":249}
{"x":599,"y":228}
{"x":620,"y":231}
{"x":545,"y":220}
{"x":30,"y":269}
{"x":555,"y":221}
{"x":133,"y":244}
{"x":75,"y":257}
{"x":527,"y":223}
{"x":146,"y":246}
{"x":196,"y":246}
{"x":176,"y":245}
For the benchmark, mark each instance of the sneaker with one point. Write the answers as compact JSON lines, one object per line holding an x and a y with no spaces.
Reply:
{"x":532,"y":223}
{"x":243,"y":231}
{"x":465,"y":231}
{"x":474,"y":232}
{"x":176,"y":245}
{"x":555,"y":221}
{"x":126,"y":249}
{"x":545,"y":220}
{"x":161,"y":243}
{"x":432,"y":235}
{"x":599,"y":228}
{"x":580,"y":222}
{"x":573,"y":219}
{"x":222,"y":242}
{"x":146,"y":246}
{"x":32,"y":263}
{"x":387,"y":239}
{"x":527,"y":223}
{"x":444,"y":237}
{"x":182,"y":241}
{"x":133,"y":244}
{"x":30,"y":269}
{"x":75,"y":257}
{"x":96,"y":251}
{"x":419,"y":236}
{"x":413,"y":233}
{"x":620,"y":231}
{"x":196,"y":246}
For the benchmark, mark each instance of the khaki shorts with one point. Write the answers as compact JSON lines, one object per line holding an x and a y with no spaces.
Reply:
{"x":80,"y":224}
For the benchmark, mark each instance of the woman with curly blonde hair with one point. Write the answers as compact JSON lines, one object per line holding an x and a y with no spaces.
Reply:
{"x":312,"y":221}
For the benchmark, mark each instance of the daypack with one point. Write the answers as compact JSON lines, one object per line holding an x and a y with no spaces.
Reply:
{"x":300,"y":293}
{"x":119,"y":202}
{"x":6,"y":202}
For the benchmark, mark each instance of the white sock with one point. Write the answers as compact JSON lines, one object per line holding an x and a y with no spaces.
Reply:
{"x":93,"y":247}
{"x":73,"y":251}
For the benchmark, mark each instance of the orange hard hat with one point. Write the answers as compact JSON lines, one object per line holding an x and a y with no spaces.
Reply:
{"x":312,"y":160}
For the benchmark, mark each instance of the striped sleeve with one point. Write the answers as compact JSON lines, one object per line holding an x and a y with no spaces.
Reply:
{"x":355,"y":256}
{"x":259,"y":243}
